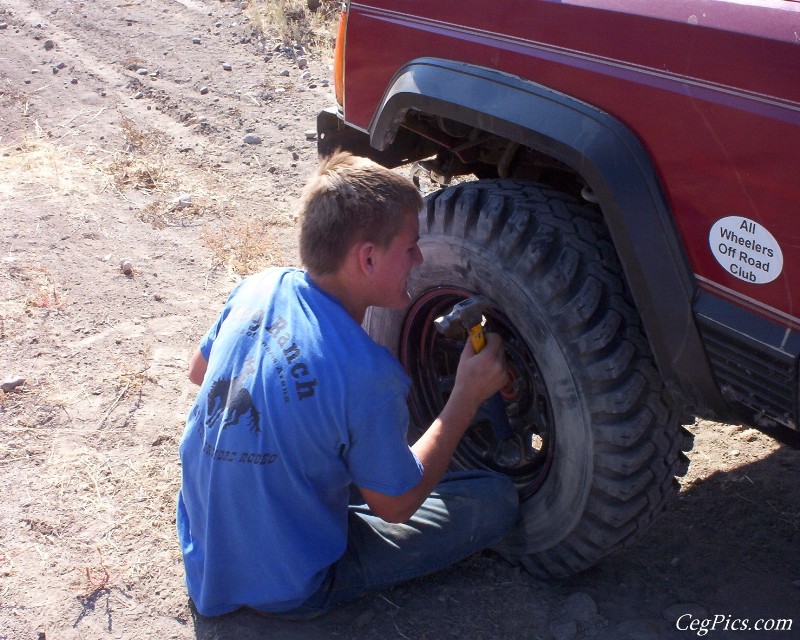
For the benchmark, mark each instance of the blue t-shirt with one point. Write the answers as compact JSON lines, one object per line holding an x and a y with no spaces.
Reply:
{"x":297,"y":403}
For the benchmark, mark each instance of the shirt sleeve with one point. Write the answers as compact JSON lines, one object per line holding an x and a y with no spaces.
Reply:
{"x":207,"y":341}
{"x":379,"y":458}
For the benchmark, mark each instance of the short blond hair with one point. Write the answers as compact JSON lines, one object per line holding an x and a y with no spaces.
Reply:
{"x":351,"y":199}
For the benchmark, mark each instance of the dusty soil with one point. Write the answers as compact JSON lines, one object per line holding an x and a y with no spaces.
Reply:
{"x":122,"y":139}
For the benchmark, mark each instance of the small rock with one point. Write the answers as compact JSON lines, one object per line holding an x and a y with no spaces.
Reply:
{"x":302,"y":62}
{"x":138,"y":95}
{"x":3,"y":25}
{"x":203,"y":91}
{"x":226,"y":66}
{"x":127,"y":267}
{"x":49,"y":45}
{"x":285,"y":73}
{"x":182,"y":201}
{"x":73,"y":81}
{"x":563,"y":630}
{"x":252,"y":139}
{"x":580,"y":606}
{"x":142,"y":71}
{"x":196,"y":40}
{"x":310,"y":134}
{"x":11,"y":383}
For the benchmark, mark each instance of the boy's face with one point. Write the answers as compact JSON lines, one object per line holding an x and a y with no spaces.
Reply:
{"x":393,"y":264}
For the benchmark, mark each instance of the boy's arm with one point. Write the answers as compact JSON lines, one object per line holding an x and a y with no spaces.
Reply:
{"x":197,"y":368}
{"x":478,"y":378}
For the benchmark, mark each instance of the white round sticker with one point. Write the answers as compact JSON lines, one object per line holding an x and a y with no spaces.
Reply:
{"x":745,"y":249}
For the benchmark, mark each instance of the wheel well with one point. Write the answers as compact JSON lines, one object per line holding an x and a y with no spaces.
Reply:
{"x":539,"y":134}
{"x":454,"y":149}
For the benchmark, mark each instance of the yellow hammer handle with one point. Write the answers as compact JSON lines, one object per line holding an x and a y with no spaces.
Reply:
{"x":477,"y":337}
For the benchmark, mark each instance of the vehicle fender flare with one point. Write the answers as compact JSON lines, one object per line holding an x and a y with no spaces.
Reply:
{"x":617,"y":168}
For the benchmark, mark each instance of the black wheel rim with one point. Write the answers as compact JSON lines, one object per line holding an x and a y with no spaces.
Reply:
{"x":525,"y":453}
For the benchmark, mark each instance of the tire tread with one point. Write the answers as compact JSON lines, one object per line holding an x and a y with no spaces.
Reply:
{"x":565,"y":253}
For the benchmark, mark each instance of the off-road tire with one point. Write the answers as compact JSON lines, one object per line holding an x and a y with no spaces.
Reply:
{"x":610,"y":438}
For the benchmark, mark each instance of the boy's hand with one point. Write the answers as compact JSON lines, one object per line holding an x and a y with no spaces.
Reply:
{"x":481,"y":375}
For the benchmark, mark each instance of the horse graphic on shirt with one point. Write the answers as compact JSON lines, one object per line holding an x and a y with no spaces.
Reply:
{"x":233,"y":399}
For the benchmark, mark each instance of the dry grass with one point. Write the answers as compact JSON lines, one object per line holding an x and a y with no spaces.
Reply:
{"x":311,"y":23}
{"x":130,"y":383}
{"x":49,"y":168}
{"x":142,"y":162}
{"x":12,"y":97}
{"x":28,"y":285}
{"x":246,"y":247}
{"x":48,"y":298}
{"x":105,"y":500}
{"x":108,"y":528}
{"x":37,"y":162}
{"x":145,"y":164}
{"x":182,"y":211}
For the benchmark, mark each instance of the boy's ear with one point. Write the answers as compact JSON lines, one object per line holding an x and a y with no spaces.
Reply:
{"x":366,"y":257}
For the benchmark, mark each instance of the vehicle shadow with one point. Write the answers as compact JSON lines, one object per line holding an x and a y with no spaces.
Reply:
{"x":726,"y":547}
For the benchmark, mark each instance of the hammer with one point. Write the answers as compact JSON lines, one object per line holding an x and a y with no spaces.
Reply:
{"x":467,"y":314}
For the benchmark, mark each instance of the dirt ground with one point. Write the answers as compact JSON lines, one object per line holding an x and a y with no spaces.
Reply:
{"x":170,"y":137}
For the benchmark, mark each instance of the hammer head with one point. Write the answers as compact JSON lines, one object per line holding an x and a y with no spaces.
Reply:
{"x":465,"y":315}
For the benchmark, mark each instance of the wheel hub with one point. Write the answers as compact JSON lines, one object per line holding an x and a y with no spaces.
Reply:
{"x":522,"y":449}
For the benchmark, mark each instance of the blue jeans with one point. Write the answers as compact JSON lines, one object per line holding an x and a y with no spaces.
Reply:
{"x":467,"y":512}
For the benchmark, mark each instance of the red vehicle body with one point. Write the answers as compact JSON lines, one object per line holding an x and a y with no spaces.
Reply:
{"x":720,"y":108}
{"x":677,"y":121}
